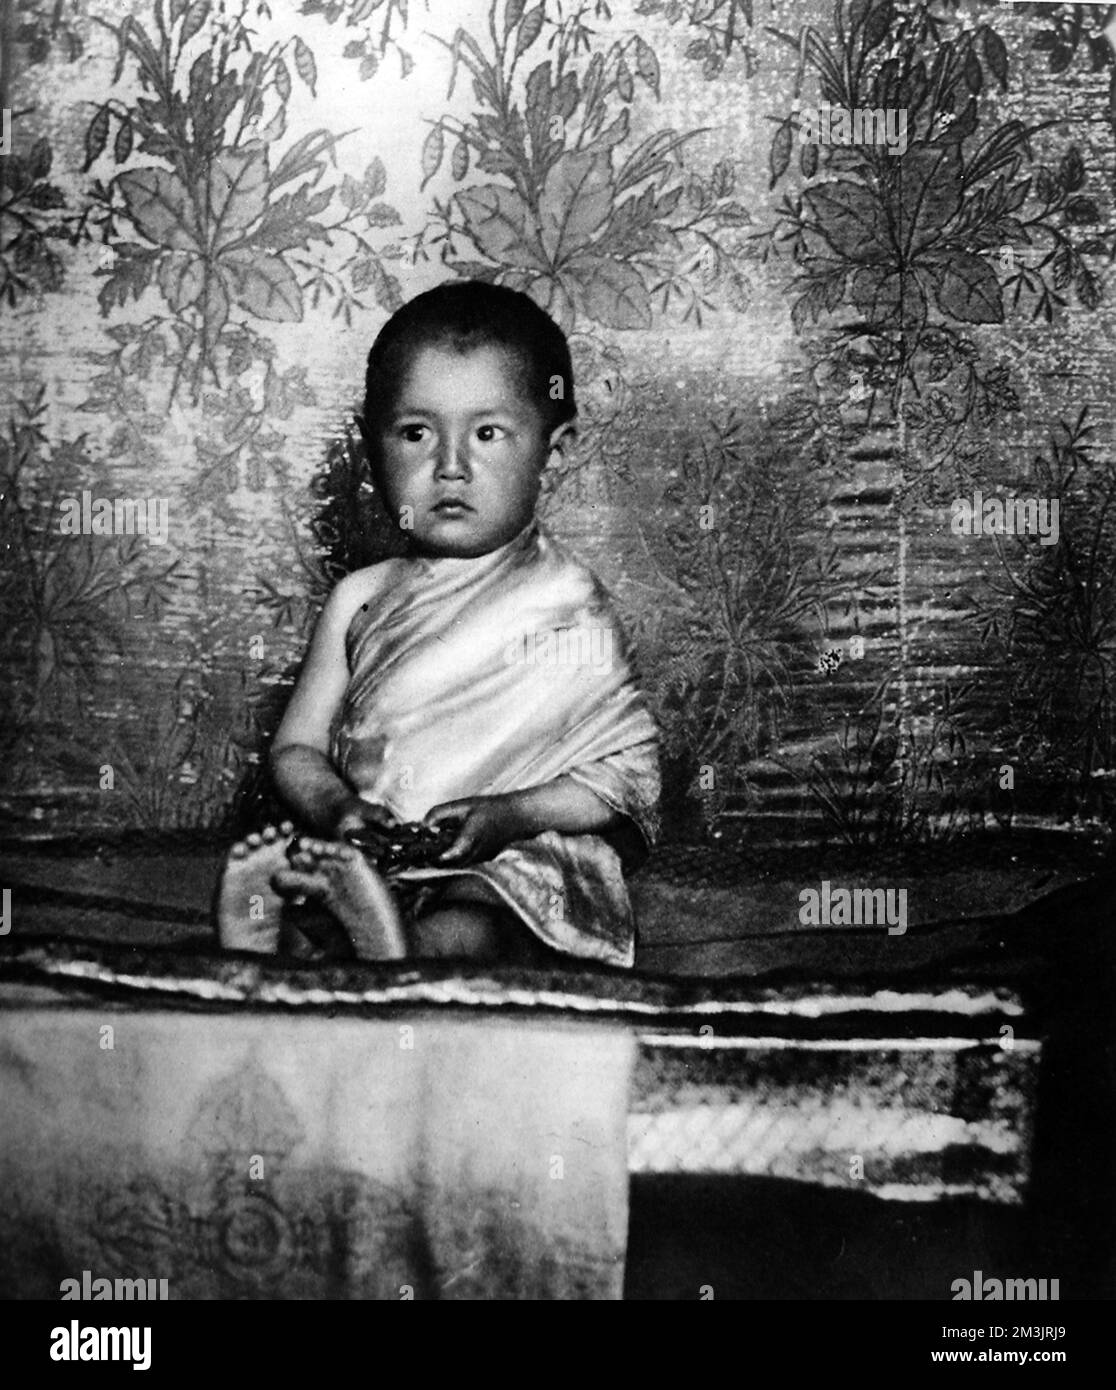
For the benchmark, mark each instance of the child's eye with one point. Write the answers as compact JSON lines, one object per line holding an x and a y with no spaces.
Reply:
{"x":488,"y":434}
{"x":412,"y":434}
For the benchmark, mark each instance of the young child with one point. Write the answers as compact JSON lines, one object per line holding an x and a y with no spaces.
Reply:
{"x":480,"y":684}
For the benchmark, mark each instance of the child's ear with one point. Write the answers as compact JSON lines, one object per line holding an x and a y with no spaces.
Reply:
{"x":563,"y":442}
{"x":366,"y":438}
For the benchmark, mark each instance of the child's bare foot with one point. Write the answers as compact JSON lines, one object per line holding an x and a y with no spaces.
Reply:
{"x":342,"y":880}
{"x":248,"y":907}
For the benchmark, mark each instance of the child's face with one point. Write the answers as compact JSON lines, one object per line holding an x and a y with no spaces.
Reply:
{"x":463,"y":448}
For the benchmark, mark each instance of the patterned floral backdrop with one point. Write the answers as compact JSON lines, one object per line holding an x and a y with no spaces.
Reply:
{"x":793,"y":355}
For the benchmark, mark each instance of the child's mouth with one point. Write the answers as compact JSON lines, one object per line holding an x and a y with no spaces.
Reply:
{"x":451,"y":506}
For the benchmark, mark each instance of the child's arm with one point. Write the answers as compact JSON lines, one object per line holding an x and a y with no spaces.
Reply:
{"x":490,"y":823}
{"x":300,"y":764}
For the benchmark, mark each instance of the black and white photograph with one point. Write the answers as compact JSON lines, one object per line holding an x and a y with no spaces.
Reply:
{"x":557,"y":663}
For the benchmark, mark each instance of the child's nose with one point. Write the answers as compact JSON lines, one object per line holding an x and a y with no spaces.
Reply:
{"x":453,"y":458}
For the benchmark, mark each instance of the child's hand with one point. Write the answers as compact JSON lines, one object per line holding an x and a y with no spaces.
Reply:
{"x":356,"y":816}
{"x":487,"y":824}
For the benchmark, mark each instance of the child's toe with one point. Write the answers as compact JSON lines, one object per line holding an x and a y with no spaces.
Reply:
{"x":290,"y":882}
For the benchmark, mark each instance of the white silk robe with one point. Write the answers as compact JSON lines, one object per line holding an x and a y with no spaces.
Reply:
{"x":472,"y":677}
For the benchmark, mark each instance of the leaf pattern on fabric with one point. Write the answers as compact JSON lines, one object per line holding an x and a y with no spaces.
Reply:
{"x":503,"y":227}
{"x":217,"y":224}
{"x":226,"y":183}
{"x":588,"y":233}
{"x":576,"y":201}
{"x":162,"y":208}
{"x":207,"y":233}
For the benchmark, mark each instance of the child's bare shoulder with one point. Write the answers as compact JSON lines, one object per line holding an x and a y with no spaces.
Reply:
{"x":359,"y":589}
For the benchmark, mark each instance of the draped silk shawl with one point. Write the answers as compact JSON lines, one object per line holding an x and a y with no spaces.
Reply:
{"x":472,"y":677}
